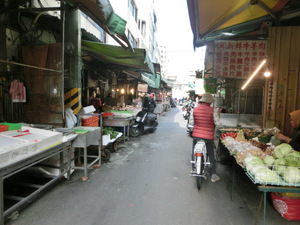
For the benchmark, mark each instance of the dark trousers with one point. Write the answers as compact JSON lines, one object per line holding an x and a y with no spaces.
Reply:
{"x":210,"y":152}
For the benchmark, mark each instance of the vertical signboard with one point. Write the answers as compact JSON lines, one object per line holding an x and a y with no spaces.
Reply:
{"x":238,"y":59}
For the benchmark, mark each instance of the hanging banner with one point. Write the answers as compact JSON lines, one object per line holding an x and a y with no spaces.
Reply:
{"x":239,"y":59}
{"x":199,"y":87}
{"x":142,"y":87}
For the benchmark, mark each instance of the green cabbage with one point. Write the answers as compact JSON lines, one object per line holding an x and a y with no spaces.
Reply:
{"x":291,"y":175}
{"x":291,"y":161}
{"x":269,"y":160}
{"x":267,"y":175}
{"x":256,"y":168}
{"x":282,"y":150}
{"x":279,"y":165}
{"x":295,"y":154}
{"x":279,"y":162}
{"x":253,"y":161}
{"x":250,"y":158}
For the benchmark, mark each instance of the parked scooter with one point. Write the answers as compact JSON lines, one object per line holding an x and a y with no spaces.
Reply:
{"x":144,"y":122}
{"x":186,"y":110}
{"x":189,"y":129}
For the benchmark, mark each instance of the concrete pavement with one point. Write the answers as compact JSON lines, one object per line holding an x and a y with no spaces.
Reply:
{"x":147,"y":182}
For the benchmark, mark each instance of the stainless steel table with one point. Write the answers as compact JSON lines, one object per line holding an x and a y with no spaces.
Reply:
{"x":119,"y":121}
{"x":15,"y":167}
{"x":92,"y":137}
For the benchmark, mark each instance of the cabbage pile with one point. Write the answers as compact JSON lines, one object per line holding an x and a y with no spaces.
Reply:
{"x":260,"y":170}
{"x":284,"y":163}
{"x":287,"y":163}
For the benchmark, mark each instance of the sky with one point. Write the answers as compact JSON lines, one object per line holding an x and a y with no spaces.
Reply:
{"x":174,"y":32}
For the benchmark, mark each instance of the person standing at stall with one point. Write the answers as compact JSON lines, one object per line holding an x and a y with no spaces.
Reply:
{"x":97,"y":103}
{"x":204,"y":119}
{"x":149,"y":103}
{"x":294,"y":139}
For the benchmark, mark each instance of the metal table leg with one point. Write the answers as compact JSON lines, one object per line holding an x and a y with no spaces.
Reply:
{"x":265,"y":208}
{"x":232,"y":180}
{"x":85,"y":165}
{"x":124,"y":130}
{"x":1,"y":201}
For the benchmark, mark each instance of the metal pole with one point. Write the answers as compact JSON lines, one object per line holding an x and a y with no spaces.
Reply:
{"x":30,"y":66}
{"x":62,"y":6}
{"x":239,"y":114}
{"x":1,"y":201}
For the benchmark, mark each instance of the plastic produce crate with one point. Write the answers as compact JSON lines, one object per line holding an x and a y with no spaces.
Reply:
{"x":288,"y":208}
{"x":106,"y":114}
{"x":90,"y":121}
{"x":12,"y":126}
{"x":3,"y":128}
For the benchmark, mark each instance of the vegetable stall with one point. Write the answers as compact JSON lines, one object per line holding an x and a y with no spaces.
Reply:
{"x":273,"y":166}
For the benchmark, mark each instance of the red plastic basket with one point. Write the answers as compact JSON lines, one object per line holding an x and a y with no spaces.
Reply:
{"x":3,"y":128}
{"x":106,"y":114}
{"x":288,"y":208}
{"x":91,"y":121}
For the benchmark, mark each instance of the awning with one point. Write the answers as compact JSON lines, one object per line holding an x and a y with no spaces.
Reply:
{"x":137,"y":61}
{"x":152,"y":81}
{"x":103,"y":14}
{"x":207,"y":17}
{"x":165,"y":83}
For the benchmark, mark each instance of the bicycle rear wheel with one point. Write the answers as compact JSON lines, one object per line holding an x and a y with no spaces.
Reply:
{"x":199,"y":168}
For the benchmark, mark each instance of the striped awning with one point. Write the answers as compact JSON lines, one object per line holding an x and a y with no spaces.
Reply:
{"x":210,"y":16}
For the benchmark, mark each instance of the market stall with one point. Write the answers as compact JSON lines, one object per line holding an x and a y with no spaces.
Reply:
{"x":273,"y":166}
{"x":23,"y":150}
{"x":120,"y":119}
{"x":87,"y":136}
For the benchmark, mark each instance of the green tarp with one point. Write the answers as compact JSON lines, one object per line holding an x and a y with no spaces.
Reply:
{"x":113,"y":21}
{"x":137,"y":61}
{"x":210,"y":85}
{"x":103,"y":14}
{"x":116,"y":24}
{"x":151,"y":80}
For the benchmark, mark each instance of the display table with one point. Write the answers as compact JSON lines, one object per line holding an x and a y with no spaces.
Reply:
{"x":17,"y":166}
{"x":266,"y":189}
{"x":118,"y":121}
{"x":92,"y":136}
{"x":265,"y":177}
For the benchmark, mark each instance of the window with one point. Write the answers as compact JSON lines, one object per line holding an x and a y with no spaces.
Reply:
{"x":131,"y":40}
{"x":142,"y":27}
{"x":132,"y":9}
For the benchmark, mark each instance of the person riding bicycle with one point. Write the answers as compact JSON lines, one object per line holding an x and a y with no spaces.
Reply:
{"x":204,"y":119}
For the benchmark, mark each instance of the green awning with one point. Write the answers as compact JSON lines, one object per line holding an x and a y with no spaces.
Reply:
{"x":191,"y":85}
{"x":152,"y":81}
{"x":103,"y":14}
{"x":116,"y":24}
{"x":166,"y":83}
{"x":137,"y":61}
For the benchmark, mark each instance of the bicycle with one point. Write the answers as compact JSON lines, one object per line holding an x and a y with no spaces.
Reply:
{"x":199,"y":162}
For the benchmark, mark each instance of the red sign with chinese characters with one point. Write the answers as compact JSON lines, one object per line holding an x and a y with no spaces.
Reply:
{"x":239,"y":59}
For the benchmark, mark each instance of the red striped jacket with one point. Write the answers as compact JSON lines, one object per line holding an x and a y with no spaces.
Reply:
{"x":204,"y":125}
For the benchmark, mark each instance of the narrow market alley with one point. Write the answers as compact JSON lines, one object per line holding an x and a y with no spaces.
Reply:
{"x":147,"y":182}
